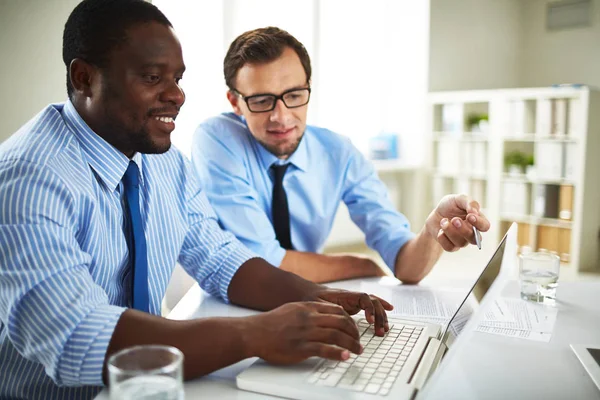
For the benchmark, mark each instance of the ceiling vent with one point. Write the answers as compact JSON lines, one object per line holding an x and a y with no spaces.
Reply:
{"x":568,"y":14}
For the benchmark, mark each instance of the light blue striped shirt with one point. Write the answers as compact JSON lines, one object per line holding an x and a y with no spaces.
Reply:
{"x":65,"y":274}
{"x":325,"y":170}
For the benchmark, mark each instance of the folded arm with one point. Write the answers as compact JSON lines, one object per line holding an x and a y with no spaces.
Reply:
{"x":327,"y":268}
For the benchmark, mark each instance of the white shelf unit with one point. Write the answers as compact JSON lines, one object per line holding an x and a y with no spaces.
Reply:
{"x":560,"y":128}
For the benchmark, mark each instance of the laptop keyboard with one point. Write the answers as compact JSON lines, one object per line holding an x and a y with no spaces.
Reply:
{"x":377,"y":368}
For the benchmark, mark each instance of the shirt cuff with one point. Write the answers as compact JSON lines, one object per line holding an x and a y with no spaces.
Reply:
{"x":275,"y":257}
{"x":390,"y":252}
{"x":237,"y":256}
{"x":82,"y":359}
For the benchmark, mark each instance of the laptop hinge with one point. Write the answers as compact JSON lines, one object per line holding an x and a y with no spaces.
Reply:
{"x":429,"y":362}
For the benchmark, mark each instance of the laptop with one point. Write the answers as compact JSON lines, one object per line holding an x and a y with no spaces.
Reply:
{"x":395,"y":366}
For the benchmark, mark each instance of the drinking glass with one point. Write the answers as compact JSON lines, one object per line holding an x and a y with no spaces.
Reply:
{"x":148,"y":372}
{"x":538,"y":276}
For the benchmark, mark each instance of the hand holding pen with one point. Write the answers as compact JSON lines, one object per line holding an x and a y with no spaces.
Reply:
{"x":456,"y":222}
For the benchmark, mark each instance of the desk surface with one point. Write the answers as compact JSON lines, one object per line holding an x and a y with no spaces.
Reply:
{"x":488,"y":367}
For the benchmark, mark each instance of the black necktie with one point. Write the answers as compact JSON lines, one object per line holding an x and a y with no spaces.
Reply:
{"x":279,"y":208}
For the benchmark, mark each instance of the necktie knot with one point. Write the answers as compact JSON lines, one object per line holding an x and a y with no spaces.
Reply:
{"x":132,"y":175}
{"x":279,"y":171}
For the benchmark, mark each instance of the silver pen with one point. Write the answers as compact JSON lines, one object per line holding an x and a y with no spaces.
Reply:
{"x":477,"y":237}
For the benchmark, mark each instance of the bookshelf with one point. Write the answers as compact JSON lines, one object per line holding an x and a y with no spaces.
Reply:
{"x":551,"y":137}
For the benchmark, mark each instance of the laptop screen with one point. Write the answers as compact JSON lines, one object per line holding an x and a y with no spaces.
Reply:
{"x":472,"y":300}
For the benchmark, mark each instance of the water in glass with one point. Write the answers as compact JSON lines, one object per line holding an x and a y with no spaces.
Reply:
{"x":148,"y":387}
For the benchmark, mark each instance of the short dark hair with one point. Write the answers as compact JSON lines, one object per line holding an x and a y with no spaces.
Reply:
{"x":261,"y":45}
{"x":96,"y":27}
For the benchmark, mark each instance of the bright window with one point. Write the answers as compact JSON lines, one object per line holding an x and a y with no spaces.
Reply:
{"x":370,"y":62}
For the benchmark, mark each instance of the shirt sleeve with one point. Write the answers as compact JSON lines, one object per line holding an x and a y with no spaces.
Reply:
{"x":368,"y":202}
{"x":217,"y":161}
{"x":209,"y":254}
{"x":52,"y":310}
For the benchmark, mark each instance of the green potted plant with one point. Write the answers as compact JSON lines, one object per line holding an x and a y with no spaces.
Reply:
{"x":515,"y":162}
{"x":478,"y":123}
{"x":530,"y":166}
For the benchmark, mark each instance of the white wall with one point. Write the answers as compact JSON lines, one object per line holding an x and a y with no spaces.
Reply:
{"x":474,"y":44}
{"x":486,"y":44}
{"x":566,"y":56}
{"x":33,"y":74}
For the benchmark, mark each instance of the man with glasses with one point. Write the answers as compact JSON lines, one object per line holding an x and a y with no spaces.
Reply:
{"x":276,"y":183}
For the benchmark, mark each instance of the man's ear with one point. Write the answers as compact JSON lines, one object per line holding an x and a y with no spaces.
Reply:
{"x":234,"y":101}
{"x":82,"y":75}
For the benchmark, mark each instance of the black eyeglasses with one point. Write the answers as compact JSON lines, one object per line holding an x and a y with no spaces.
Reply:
{"x":266,"y":102}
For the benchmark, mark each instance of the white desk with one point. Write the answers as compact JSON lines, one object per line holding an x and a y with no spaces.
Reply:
{"x":491,"y":367}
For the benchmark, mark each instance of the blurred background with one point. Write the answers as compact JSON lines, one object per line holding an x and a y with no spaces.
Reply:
{"x":495,"y":98}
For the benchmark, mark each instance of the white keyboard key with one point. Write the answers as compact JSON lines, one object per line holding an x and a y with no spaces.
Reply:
{"x":361,"y":381}
{"x":358,"y":387}
{"x":384,"y":391}
{"x":352,"y":374}
{"x":346,"y":381}
{"x":313,"y":378}
{"x":372,"y":388}
{"x":332,"y":380}
{"x":377,"y":381}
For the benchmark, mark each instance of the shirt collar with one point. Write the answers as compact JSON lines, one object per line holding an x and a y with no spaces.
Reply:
{"x":299,"y":159}
{"x":108,"y":162}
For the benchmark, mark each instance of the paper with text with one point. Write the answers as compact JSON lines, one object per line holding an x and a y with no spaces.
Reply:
{"x":505,"y":316}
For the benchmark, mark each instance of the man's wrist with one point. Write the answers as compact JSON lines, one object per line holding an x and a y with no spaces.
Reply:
{"x":248,"y":329}
{"x":432,"y":226}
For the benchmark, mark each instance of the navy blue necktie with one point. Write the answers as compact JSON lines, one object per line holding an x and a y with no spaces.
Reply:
{"x":279,"y":208}
{"x":137,"y":242}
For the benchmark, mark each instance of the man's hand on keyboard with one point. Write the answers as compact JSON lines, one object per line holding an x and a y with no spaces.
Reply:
{"x":294,"y":332}
{"x":353,"y":302}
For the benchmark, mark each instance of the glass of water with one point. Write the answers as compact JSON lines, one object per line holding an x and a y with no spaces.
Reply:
{"x":538,"y":275}
{"x":149,"y":372}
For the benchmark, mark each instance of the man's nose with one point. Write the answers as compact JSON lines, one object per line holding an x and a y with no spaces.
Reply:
{"x":174,"y":94}
{"x":280,"y":113}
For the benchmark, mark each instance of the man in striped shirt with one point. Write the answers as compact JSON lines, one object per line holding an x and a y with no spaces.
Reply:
{"x":66,"y":269}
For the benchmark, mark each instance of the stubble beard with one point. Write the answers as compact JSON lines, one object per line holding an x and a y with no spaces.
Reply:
{"x":126,"y":138}
{"x":282,"y":151}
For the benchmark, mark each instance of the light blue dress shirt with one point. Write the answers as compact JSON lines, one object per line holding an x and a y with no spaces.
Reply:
{"x":325,"y":169}
{"x":65,"y":273}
